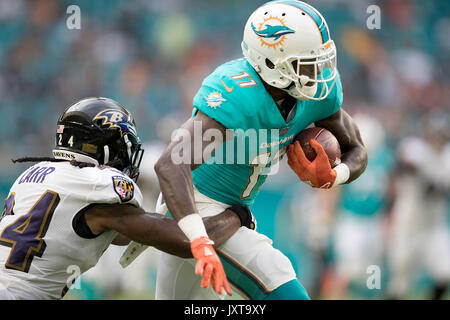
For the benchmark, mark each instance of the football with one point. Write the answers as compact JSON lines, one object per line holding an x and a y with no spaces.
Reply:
{"x":325,"y":138}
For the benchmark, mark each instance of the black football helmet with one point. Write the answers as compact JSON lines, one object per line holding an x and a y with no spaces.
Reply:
{"x":99,"y":130}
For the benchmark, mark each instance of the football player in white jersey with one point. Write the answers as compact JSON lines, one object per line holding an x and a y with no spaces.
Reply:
{"x":65,"y":211}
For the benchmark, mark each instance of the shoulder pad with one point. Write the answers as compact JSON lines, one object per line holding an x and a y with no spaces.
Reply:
{"x":230,"y":94}
{"x":113,"y":186}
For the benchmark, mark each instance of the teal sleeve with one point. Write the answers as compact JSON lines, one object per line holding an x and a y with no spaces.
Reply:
{"x":337,"y":95}
{"x":213,"y":100}
{"x":332,"y":103}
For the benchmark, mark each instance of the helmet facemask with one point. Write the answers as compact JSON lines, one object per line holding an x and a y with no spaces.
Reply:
{"x":131,"y":156}
{"x":127,"y":149}
{"x":306,"y":72}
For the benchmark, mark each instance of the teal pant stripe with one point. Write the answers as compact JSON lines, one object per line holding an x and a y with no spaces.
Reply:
{"x":292,"y":290}
{"x":242,"y":279}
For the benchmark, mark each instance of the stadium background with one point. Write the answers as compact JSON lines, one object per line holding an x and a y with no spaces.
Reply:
{"x":152,"y":57}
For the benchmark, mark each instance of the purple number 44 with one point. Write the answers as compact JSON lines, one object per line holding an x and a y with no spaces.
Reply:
{"x":25,"y":235}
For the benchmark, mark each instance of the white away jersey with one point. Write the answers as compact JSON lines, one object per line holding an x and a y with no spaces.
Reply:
{"x":39,"y":248}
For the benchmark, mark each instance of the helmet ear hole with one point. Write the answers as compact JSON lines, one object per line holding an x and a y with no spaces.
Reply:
{"x":269,"y":64}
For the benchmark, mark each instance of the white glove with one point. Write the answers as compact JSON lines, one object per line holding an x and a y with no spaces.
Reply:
{"x":133,"y":250}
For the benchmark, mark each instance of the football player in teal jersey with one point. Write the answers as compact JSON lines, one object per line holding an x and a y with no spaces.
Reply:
{"x":245,"y":117}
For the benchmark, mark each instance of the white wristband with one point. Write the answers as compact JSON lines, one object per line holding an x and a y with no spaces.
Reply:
{"x":342,"y":174}
{"x":192,"y":226}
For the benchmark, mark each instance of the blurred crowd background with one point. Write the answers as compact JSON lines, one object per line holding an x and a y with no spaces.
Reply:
{"x":384,"y":236}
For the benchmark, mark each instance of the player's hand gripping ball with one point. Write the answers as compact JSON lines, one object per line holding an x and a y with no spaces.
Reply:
{"x":313,"y":155}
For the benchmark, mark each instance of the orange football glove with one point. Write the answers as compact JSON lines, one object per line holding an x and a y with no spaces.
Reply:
{"x":209,"y":265}
{"x":317,"y":173}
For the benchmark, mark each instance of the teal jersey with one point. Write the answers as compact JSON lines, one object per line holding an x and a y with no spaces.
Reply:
{"x":234,"y":96}
{"x":367,"y":195}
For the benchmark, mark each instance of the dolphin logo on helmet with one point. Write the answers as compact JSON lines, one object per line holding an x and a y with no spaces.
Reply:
{"x":272,"y":31}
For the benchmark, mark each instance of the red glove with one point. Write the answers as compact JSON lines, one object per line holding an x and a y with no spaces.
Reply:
{"x":209,"y":265}
{"x":317,"y":173}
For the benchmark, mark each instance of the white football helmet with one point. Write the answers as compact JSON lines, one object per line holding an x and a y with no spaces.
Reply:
{"x":288,"y":43}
